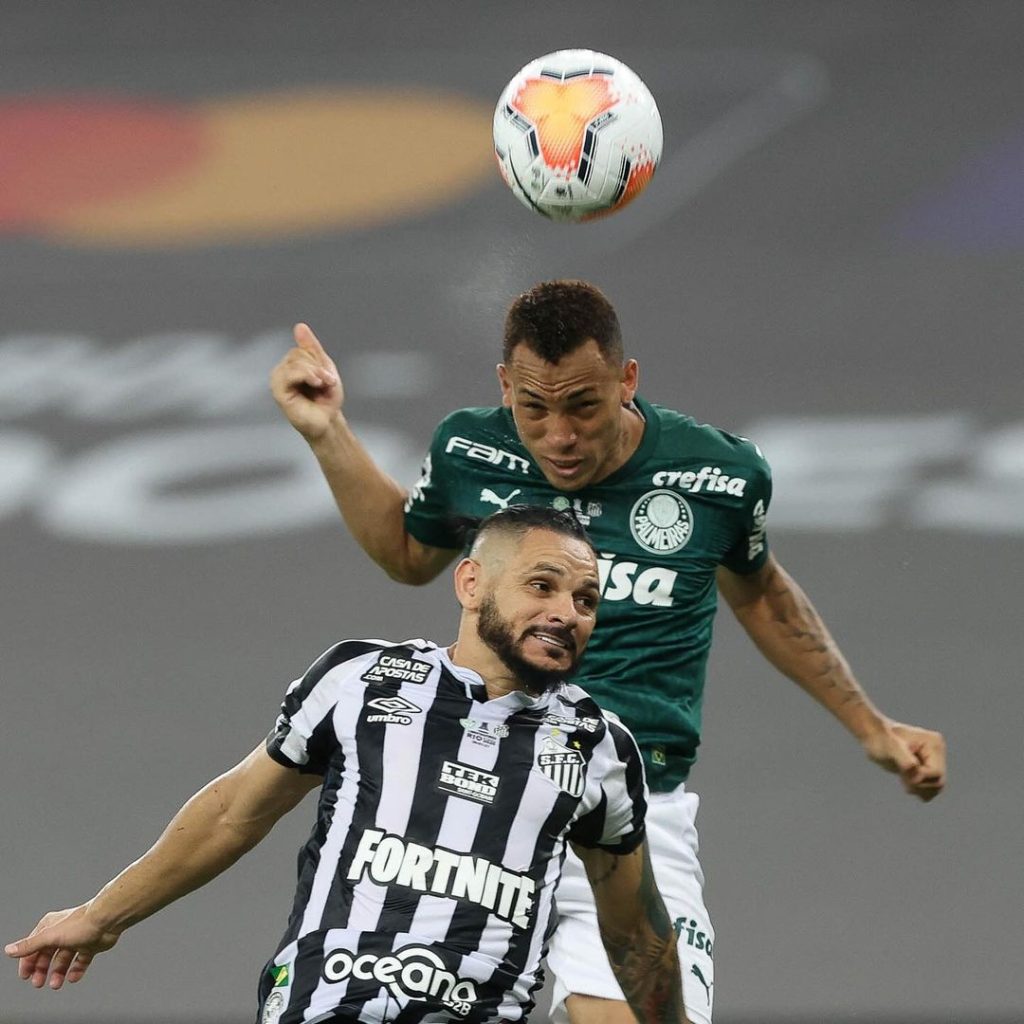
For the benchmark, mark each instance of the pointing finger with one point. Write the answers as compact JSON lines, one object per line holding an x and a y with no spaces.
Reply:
{"x":306,"y":340}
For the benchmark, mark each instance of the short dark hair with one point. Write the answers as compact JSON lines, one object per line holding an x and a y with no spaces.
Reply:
{"x":555,"y":318}
{"x":520,"y":519}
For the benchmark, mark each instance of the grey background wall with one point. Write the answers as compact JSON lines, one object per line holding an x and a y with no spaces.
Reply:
{"x":830,"y":254}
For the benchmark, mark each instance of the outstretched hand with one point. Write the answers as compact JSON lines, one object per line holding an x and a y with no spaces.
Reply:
{"x":307,"y":386}
{"x":917,"y":755}
{"x":62,"y":945}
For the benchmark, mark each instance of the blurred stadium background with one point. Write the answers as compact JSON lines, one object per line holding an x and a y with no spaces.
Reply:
{"x":830,"y":256}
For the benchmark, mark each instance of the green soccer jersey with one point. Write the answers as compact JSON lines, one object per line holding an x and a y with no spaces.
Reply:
{"x":690,"y":498}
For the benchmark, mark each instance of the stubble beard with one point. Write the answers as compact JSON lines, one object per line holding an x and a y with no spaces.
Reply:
{"x":496,"y":632}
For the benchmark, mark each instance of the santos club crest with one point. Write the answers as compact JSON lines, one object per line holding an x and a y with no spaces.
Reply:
{"x":562,"y":766}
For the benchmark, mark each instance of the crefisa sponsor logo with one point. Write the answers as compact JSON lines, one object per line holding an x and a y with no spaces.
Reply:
{"x":413,"y":972}
{"x":709,"y":479}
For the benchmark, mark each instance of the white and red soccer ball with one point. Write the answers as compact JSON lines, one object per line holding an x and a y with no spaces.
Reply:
{"x":577,"y":135}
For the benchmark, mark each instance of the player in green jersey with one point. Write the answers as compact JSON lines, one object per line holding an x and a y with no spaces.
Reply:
{"x":677,"y":512}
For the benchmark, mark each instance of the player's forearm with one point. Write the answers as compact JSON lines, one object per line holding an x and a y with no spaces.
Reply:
{"x":790,"y":633}
{"x":638,"y":936}
{"x":645,"y":963}
{"x":200,"y":842}
{"x":370,"y":502}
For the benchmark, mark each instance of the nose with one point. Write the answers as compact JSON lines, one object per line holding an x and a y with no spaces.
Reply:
{"x":563,"y":611}
{"x":562,"y":431}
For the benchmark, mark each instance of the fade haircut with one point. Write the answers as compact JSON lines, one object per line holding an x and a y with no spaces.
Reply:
{"x":518,"y":520}
{"x":556,"y":317}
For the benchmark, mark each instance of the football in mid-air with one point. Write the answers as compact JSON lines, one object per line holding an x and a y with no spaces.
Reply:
{"x":577,"y":135}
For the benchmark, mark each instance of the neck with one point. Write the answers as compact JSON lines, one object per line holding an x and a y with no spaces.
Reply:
{"x":479,"y":658}
{"x":631,"y":436}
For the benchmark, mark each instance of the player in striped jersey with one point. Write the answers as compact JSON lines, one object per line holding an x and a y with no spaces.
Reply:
{"x":450,"y":782}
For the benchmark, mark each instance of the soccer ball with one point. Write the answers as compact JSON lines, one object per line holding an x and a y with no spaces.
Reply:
{"x":577,"y":135}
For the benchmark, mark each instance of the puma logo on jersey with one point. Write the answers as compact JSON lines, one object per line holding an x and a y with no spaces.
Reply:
{"x":493,"y":499}
{"x":696,"y":972}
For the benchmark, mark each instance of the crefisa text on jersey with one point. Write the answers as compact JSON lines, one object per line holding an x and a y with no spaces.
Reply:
{"x":708,"y":478}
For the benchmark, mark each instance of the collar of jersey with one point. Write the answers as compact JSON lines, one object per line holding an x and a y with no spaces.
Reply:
{"x":474,"y":682}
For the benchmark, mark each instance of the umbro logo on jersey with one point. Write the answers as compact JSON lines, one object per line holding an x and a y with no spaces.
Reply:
{"x":661,"y":522}
{"x":392,"y":710}
{"x":391,"y":860}
{"x":466,"y":781}
{"x":413,"y":972}
{"x":486,"y":453}
{"x":562,"y":766}
{"x":708,"y":478}
{"x":391,"y":667}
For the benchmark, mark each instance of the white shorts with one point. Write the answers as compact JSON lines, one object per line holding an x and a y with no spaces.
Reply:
{"x":576,"y":956}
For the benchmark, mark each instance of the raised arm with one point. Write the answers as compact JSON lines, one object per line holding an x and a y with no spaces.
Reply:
{"x":224,"y":820}
{"x":637,"y":933}
{"x":308,"y":388}
{"x":788,"y":631}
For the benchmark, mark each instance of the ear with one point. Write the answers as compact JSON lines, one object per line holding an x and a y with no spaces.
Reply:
{"x":467,"y":584}
{"x":506,"y":385}
{"x":630,"y":381}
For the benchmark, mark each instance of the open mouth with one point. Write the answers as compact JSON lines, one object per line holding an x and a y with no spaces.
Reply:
{"x":566,"y":468}
{"x":554,"y":640}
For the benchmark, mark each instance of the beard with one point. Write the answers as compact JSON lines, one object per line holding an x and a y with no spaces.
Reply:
{"x":498,"y":634}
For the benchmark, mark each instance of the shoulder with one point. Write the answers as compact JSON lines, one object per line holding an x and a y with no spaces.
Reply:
{"x":490,"y":420}
{"x":480,"y":435}
{"x":360,"y":653}
{"x":576,"y":707}
{"x":683,"y":436}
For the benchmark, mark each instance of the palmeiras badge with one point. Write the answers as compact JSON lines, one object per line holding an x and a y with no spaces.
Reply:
{"x":562,"y":766}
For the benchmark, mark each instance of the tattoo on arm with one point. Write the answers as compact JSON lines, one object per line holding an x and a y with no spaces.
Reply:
{"x":645,"y":960}
{"x":800,"y":624}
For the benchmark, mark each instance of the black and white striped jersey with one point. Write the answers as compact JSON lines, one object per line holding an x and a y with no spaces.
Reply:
{"x":425,"y":889}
